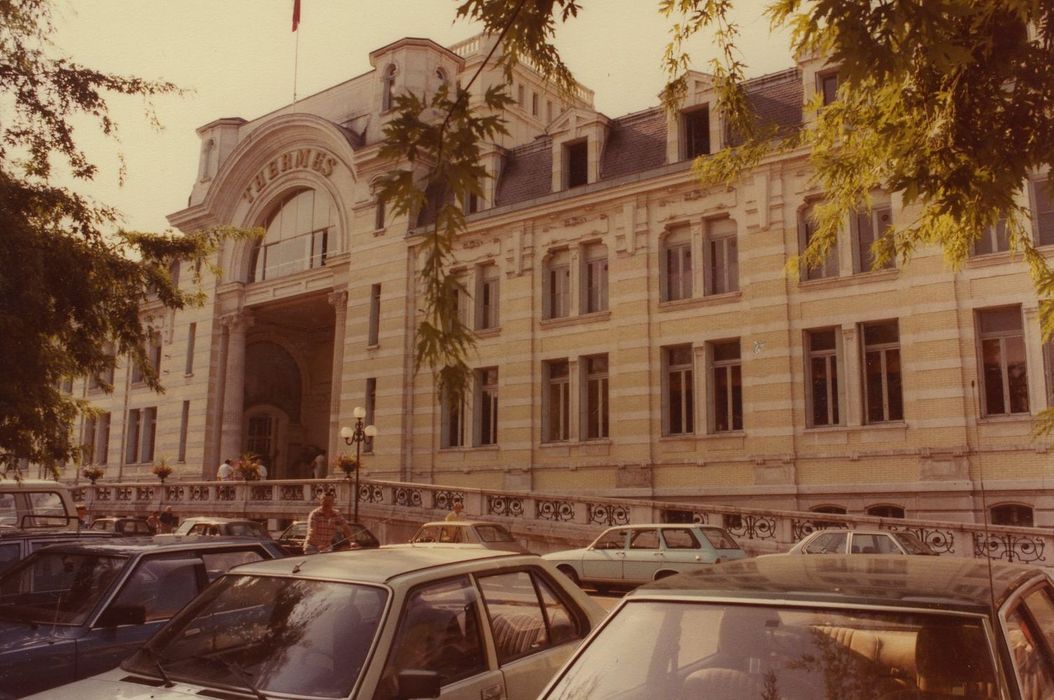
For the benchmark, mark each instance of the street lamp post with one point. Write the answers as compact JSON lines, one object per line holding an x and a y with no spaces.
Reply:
{"x":357,"y":435}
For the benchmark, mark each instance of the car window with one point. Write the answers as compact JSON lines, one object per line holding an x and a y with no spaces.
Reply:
{"x":612,"y":539}
{"x":218,"y":563}
{"x":526,"y":615}
{"x":679,"y":538}
{"x":1032,"y":664}
{"x":439,"y":631}
{"x":873,"y":543}
{"x":162,"y":585}
{"x":9,"y":553}
{"x":246,"y":530}
{"x":715,"y":650}
{"x":8,"y":513}
{"x":494,"y":533}
{"x":719,"y":538}
{"x":827,"y":543}
{"x":644,"y":539}
{"x":58,"y":587}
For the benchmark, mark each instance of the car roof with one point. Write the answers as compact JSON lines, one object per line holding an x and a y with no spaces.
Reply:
{"x":213,"y":520}
{"x":858,"y":531}
{"x":378,"y":565}
{"x":459,"y":523}
{"x":953,"y":583}
{"x":146,"y":545}
{"x":666,"y":526}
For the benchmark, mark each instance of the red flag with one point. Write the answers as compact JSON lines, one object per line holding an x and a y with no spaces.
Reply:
{"x":296,"y":14}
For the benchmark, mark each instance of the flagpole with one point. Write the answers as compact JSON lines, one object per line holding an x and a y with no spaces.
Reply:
{"x":296,"y":49}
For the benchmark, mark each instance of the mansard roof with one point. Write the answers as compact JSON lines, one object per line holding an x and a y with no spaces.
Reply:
{"x":635,"y":143}
{"x":527,"y":173}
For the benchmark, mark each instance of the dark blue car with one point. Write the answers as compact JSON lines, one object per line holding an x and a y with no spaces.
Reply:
{"x":74,"y":610}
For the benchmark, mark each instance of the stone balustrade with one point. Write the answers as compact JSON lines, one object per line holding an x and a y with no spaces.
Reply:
{"x":546,"y":521}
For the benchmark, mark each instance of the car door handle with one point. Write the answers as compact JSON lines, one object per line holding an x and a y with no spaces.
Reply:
{"x":657,"y":554}
{"x":620,"y":555}
{"x":494,"y":692}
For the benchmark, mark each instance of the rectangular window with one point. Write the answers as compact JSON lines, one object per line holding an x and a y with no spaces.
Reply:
{"x":576,"y":162}
{"x":869,"y":227}
{"x":88,"y":439}
{"x":192,"y":332}
{"x":96,"y":438}
{"x":1048,"y":364}
{"x":1043,"y":211}
{"x":726,"y":379}
{"x":379,"y":214}
{"x":371,"y":407}
{"x":829,"y":268}
{"x":828,"y":84}
{"x":1004,"y":373}
{"x":452,"y":415}
{"x":677,"y":266}
{"x":470,"y":203}
{"x":680,"y":394}
{"x":722,"y":251}
{"x":549,"y":110}
{"x":558,"y":285}
{"x":882,"y":376}
{"x":595,"y":289}
{"x":148,"y":428}
{"x":557,"y":402}
{"x":994,"y":239}
{"x":487,"y":406}
{"x":695,"y":126}
{"x":132,"y":434}
{"x":534,"y":104}
{"x":375,"y":316}
{"x":822,"y":379}
{"x":184,"y":422}
{"x":487,"y":297}
{"x":596,"y":397}
{"x":520,"y":95}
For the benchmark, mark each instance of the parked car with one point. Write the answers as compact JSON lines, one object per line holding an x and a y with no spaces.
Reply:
{"x":839,"y":541}
{"x":629,"y":555}
{"x":73,"y":610}
{"x":36,"y":503}
{"x":227,"y":527}
{"x":394,"y":622}
{"x":122,"y":526}
{"x":479,"y":532}
{"x":292,"y":538}
{"x":18,"y":543}
{"x":852,"y":627}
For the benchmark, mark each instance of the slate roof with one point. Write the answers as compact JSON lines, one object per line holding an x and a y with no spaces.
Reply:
{"x":637,"y":142}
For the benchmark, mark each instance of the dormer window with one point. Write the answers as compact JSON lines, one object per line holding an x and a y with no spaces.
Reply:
{"x":576,"y":163}
{"x":828,"y":86}
{"x":389,"y":88}
{"x":695,"y":127}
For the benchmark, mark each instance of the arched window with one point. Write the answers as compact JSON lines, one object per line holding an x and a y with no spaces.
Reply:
{"x":885,"y":511}
{"x":1011,"y":514}
{"x":441,"y":76}
{"x":300,"y":235}
{"x":834,"y":510}
{"x":389,"y":88}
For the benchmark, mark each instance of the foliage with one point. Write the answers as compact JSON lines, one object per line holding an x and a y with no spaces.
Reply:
{"x":248,"y":467}
{"x":92,"y":473}
{"x":438,"y":139}
{"x":71,"y":288}
{"x":162,"y":470}
{"x":346,"y":463}
{"x":946,"y":102}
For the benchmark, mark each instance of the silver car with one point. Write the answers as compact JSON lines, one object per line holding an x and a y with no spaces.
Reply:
{"x":838,"y":541}
{"x":478,"y":532}
{"x":629,"y":555}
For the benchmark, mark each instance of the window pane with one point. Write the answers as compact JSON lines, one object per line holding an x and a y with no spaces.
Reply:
{"x":516,"y":617}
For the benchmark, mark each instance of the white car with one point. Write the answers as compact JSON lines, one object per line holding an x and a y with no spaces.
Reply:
{"x":380,"y":624}
{"x":839,"y":541}
{"x":634,"y":554}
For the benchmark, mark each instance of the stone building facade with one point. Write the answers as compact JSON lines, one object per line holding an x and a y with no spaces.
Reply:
{"x":637,"y":335}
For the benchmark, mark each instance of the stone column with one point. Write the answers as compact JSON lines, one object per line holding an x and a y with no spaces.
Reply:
{"x":849,"y":377}
{"x":339,"y":301}
{"x":236,"y":324}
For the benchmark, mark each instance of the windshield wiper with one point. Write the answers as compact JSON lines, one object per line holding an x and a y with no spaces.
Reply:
{"x":237,"y":670}
{"x":155,"y":659}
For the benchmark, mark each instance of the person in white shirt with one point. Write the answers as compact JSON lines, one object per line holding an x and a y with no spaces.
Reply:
{"x":226,"y":471}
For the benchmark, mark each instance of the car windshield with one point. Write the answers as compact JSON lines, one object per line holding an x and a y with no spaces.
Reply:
{"x":277,"y":634}
{"x":712,"y":650}
{"x":912,"y":544}
{"x":719,"y":539}
{"x":439,"y":533}
{"x":493,"y":533}
{"x":57,"y":587}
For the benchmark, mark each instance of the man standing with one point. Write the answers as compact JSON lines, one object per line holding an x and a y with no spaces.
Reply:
{"x":322,"y":524}
{"x":318,"y":466}
{"x":169,"y":520}
{"x":226,"y":471}
{"x":455,"y":511}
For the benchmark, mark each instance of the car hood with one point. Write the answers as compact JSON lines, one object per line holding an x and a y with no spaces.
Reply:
{"x":19,"y":636}
{"x":566,"y":554}
{"x":113,"y":686}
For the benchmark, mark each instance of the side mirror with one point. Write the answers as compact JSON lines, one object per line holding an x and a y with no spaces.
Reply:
{"x":117,"y":615}
{"x":418,"y":684}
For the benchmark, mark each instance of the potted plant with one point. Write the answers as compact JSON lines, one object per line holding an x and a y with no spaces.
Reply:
{"x":162,"y":470}
{"x":248,"y":467}
{"x":347,"y":464}
{"x":92,"y":473}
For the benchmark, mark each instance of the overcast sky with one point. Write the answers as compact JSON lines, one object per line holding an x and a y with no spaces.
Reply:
{"x":237,"y":58}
